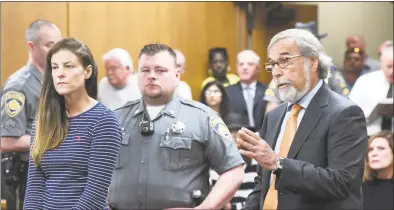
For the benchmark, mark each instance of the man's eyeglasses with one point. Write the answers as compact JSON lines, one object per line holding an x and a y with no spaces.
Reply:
{"x":282,"y":62}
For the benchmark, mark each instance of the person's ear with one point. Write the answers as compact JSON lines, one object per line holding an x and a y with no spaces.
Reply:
{"x":88,"y":71}
{"x":314,"y":64}
{"x":31,"y":46}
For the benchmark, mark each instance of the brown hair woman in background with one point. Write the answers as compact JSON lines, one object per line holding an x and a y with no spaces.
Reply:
{"x":378,"y":173}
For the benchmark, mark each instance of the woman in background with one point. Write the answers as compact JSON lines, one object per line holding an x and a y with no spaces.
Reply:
{"x":214,"y":96}
{"x":76,"y":139}
{"x":378,"y":173}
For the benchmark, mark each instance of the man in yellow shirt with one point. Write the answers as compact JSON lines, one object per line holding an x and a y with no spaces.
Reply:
{"x":218,"y":66}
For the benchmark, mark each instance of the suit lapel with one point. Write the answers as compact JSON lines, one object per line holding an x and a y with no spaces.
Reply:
{"x":310,"y":119}
{"x":258,"y":95}
{"x":239,"y":94}
{"x":274,"y":130}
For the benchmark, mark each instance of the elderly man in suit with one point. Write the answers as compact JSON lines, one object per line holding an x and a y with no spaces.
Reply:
{"x":246,"y":96}
{"x":311,"y":147}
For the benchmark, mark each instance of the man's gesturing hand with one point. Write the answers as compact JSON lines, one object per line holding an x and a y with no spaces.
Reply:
{"x":252,"y":146}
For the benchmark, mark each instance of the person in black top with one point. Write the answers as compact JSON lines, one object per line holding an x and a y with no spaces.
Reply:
{"x":378,"y":174}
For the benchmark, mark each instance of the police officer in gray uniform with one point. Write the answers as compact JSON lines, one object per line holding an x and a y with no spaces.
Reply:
{"x":19,"y":100}
{"x":169,"y":144}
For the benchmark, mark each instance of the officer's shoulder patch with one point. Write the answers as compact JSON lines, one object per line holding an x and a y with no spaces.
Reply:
{"x":14,"y":102}
{"x":220,"y":127}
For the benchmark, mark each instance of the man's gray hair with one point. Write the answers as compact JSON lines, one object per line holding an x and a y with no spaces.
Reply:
{"x":252,"y":54}
{"x":310,"y":47}
{"x":387,"y":51}
{"x":122,"y":55}
{"x":34,"y":28}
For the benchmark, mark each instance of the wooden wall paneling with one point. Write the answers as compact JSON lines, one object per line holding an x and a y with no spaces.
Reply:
{"x":106,"y":25}
{"x":192,"y":27}
{"x":222,"y":29}
{"x":260,"y":41}
{"x":193,"y":39}
{"x":15,"y":18}
{"x":241,"y":29}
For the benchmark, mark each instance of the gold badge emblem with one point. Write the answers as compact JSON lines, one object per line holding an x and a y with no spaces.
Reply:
{"x":14,"y":103}
{"x":220,"y":128}
{"x":345,"y":91}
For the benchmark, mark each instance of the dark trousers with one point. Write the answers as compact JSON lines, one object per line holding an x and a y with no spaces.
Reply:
{"x":14,"y":194}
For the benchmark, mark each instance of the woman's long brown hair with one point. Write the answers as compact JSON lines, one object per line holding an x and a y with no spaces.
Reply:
{"x":52,"y":122}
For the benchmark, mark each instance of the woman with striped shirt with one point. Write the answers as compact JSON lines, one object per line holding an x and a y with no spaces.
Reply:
{"x":76,"y":139}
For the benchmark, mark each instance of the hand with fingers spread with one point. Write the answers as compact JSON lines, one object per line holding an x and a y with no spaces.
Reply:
{"x":252,"y":146}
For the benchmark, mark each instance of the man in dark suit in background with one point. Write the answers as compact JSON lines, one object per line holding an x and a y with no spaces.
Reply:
{"x":246,"y":96}
{"x":311,"y":148}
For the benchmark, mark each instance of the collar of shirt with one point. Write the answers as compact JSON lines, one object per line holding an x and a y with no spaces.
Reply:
{"x":304,"y":101}
{"x":36,"y":73}
{"x":252,"y":85}
{"x":169,"y":109}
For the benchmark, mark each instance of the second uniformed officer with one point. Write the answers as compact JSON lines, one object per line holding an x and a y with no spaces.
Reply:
{"x":169,"y":145}
{"x":19,"y":101}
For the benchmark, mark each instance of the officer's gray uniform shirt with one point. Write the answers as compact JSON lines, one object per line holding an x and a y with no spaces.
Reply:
{"x":337,"y":83}
{"x":19,"y":102}
{"x":162,"y":170}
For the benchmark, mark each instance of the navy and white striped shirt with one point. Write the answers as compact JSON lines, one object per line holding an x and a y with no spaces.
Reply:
{"x":77,"y":174}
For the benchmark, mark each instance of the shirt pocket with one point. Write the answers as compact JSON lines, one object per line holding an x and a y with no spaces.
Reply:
{"x":124,"y":152}
{"x":175,"y":152}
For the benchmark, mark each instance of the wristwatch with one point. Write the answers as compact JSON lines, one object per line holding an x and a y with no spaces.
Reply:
{"x":279,"y":165}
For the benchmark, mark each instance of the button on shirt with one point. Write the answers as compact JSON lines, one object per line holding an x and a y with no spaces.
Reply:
{"x":304,"y":102}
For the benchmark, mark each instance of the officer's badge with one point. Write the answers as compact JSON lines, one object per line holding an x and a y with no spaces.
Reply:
{"x":178,"y":127}
{"x":220,"y":128}
{"x":14,"y":102}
